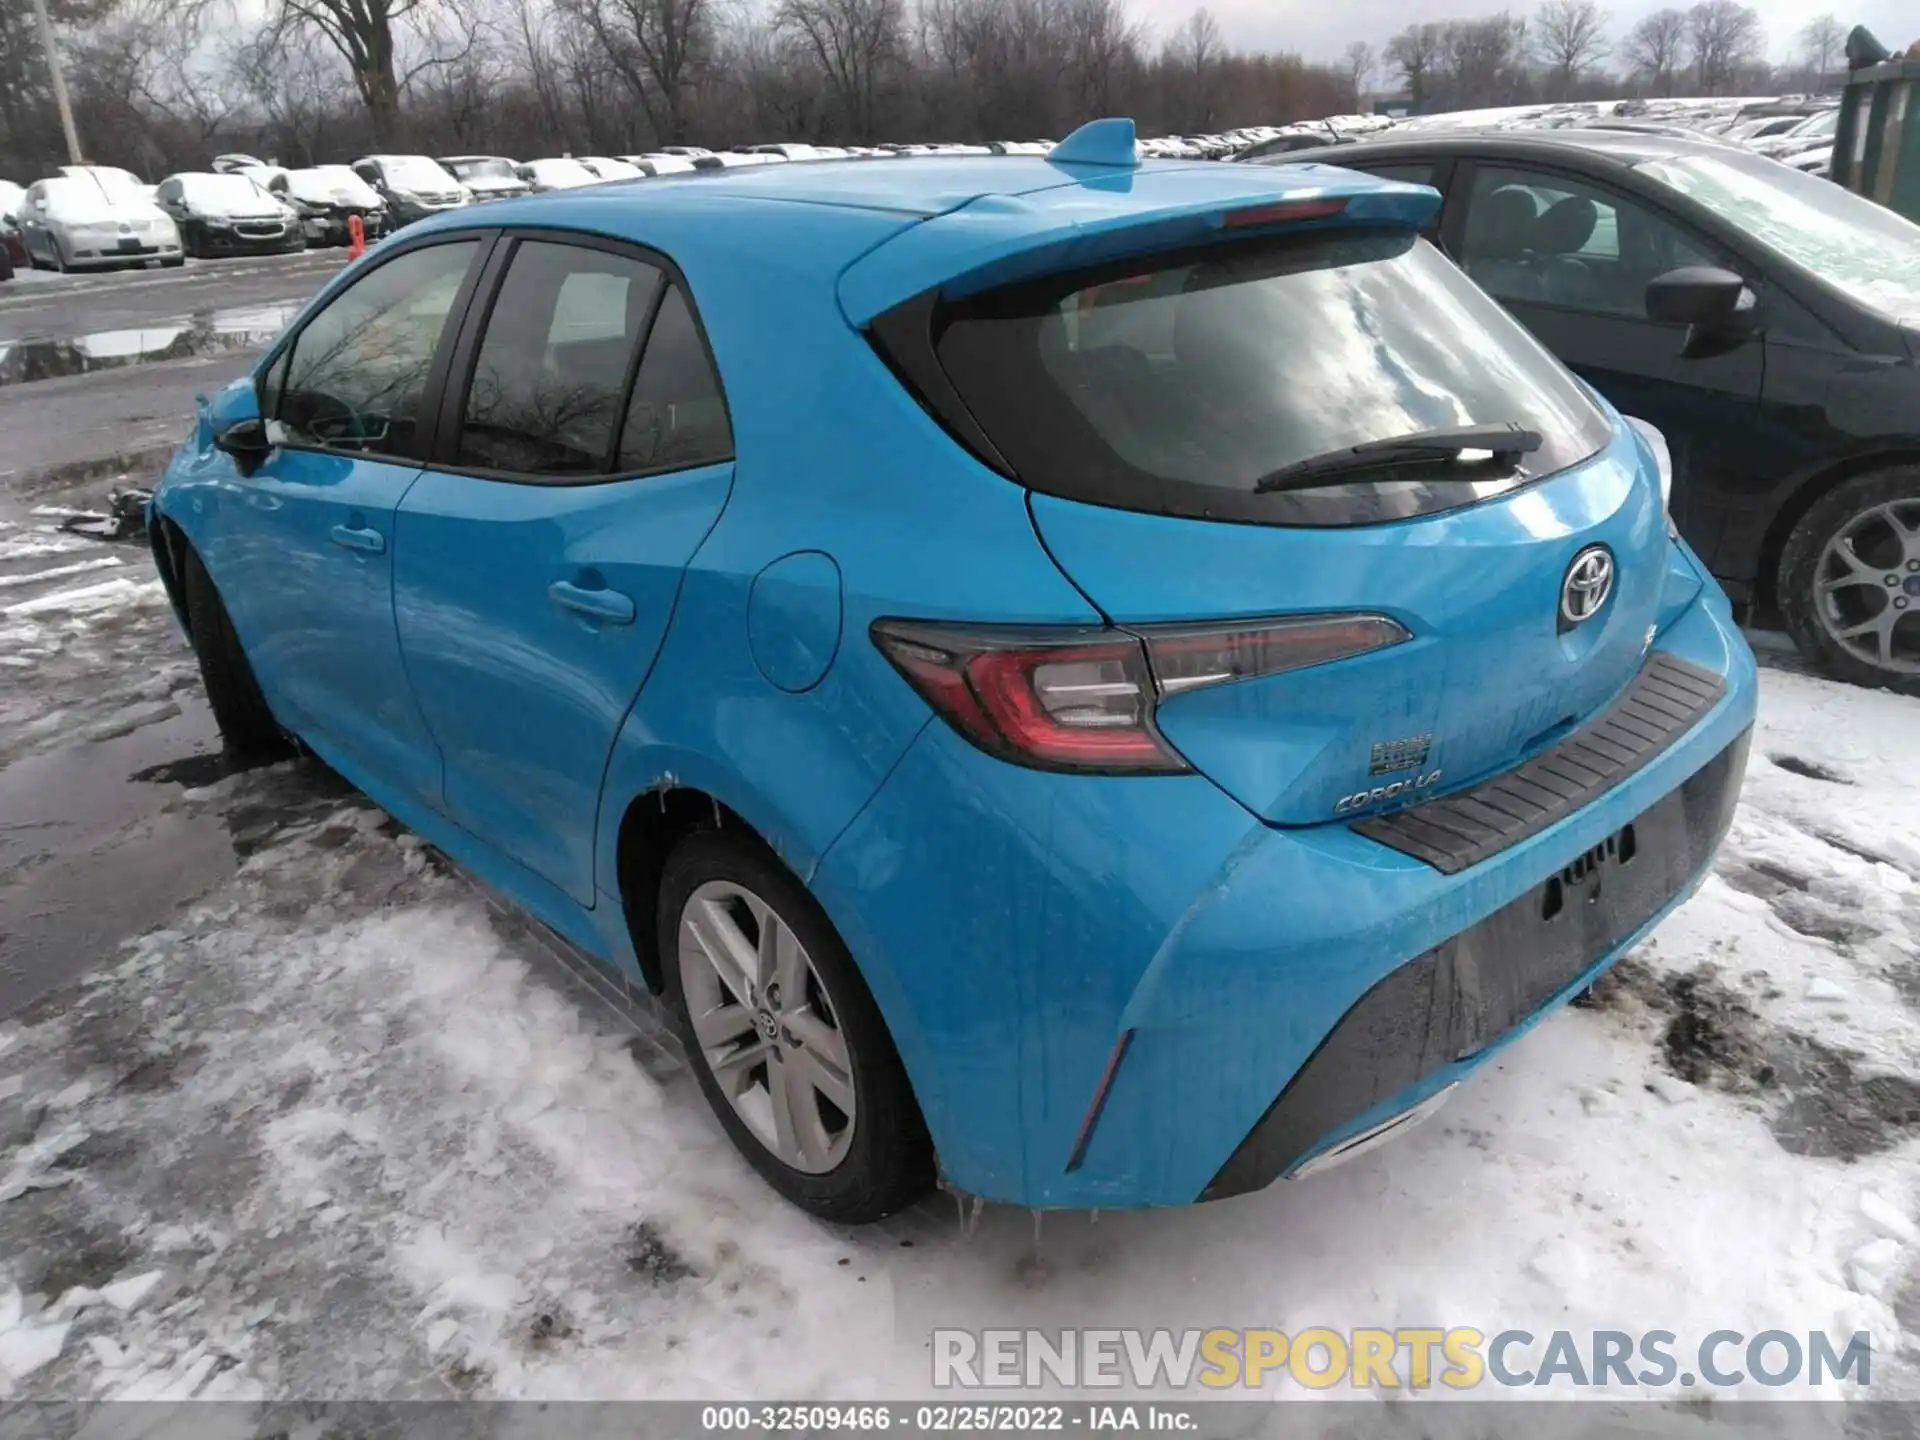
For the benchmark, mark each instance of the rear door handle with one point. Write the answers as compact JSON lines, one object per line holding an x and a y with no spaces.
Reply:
{"x":608,"y":605}
{"x":371,"y":541}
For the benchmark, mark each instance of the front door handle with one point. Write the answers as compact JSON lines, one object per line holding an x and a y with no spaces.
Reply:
{"x":371,"y":541}
{"x":608,"y":605}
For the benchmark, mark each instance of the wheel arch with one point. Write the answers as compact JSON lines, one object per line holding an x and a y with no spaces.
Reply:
{"x":653,"y":823}
{"x":170,"y":545}
{"x":1804,"y":497}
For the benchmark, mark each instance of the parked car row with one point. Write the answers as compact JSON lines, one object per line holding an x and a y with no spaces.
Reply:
{"x":243,"y":204}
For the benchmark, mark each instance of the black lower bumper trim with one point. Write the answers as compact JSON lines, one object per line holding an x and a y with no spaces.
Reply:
{"x":1456,"y":999}
{"x":1665,"y":700}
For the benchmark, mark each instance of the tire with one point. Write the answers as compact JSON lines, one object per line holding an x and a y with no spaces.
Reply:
{"x":882,"y":1160}
{"x":59,"y":257}
{"x":1887,"y":595}
{"x":173,"y":264}
{"x":246,"y":724}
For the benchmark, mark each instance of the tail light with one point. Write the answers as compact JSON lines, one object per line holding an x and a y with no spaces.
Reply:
{"x":1190,"y":657}
{"x":1055,"y":698}
{"x":1083,"y":698}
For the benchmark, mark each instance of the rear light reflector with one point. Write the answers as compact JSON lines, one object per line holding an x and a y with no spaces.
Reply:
{"x":1284,"y":211}
{"x":1192,"y":657}
{"x":1052,"y":698}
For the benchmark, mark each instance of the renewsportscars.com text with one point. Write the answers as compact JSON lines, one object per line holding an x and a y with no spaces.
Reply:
{"x":1457,"y":1358}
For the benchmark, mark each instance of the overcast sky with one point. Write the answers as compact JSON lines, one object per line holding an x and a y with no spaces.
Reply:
{"x":1320,"y":30}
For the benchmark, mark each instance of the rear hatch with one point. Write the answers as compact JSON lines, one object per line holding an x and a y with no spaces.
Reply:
{"x":1186,"y":423}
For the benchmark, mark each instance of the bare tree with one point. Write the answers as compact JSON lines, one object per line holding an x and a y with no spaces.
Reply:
{"x":368,"y":34}
{"x":1821,"y":39}
{"x":298,"y":85}
{"x":154,"y":71}
{"x":1655,"y":46}
{"x":1570,"y":36}
{"x":855,"y":43}
{"x":1104,"y":49}
{"x":1415,"y":53}
{"x":1192,"y":60}
{"x":659,"y":48}
{"x":1725,"y":37}
{"x":1482,"y":58}
{"x":453,"y":96}
{"x":1358,"y":65}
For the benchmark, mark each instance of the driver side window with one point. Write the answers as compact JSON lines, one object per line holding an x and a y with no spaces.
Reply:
{"x":358,"y":369}
{"x":1553,"y":240}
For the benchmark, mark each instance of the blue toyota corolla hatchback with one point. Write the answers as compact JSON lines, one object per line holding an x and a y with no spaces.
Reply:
{"x":1097,"y":683}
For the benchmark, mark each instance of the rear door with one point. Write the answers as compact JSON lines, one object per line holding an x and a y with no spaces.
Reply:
{"x":307,"y":567}
{"x":1571,"y":259}
{"x":586,"y":453}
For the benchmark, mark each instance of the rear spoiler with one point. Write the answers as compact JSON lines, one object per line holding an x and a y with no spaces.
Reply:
{"x":1102,"y":212}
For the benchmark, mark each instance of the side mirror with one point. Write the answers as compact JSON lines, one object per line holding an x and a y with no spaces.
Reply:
{"x":246,"y":441}
{"x":1696,"y":295}
{"x":1719,"y":311}
{"x":234,"y":425}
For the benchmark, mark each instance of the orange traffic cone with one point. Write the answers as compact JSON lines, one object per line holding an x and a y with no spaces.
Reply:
{"x":356,"y":237}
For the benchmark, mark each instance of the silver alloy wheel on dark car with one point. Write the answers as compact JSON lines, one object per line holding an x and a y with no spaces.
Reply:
{"x":766,"y":1027}
{"x":1867,"y":586}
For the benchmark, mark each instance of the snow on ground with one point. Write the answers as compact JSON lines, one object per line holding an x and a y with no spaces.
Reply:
{"x":79,"y":651}
{"x":343,"y":1129}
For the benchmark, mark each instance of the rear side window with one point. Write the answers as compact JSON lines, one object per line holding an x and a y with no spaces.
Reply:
{"x":551,"y":373}
{"x":678,"y":417}
{"x":1176,"y":386}
{"x":359,"y":367}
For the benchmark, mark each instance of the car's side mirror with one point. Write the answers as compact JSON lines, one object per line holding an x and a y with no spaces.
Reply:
{"x":247,"y":442}
{"x":1697,"y":295}
{"x":1716,"y":305}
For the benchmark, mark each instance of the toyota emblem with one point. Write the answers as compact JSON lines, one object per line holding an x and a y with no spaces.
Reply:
{"x":1588,"y":584}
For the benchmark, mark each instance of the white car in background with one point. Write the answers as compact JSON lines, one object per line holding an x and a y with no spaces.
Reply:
{"x":412,"y":186}
{"x":77,"y":222}
{"x":607,"y":168}
{"x":1811,"y":132}
{"x":661,"y":164}
{"x":557,"y":173}
{"x":487,"y":177}
{"x":326,"y":198}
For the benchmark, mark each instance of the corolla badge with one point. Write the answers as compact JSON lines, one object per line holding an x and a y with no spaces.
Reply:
{"x":1380,"y":794}
{"x":1588,"y":583}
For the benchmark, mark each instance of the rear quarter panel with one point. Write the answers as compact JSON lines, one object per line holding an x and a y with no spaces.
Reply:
{"x":832,"y":457}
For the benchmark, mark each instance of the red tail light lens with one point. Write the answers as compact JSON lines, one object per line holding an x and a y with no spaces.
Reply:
{"x":1284,"y":211}
{"x":1191,"y":657}
{"x":1050,"y":698}
{"x":1082,"y":698}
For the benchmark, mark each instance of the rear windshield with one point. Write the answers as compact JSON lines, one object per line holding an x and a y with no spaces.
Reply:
{"x":1174,"y":387}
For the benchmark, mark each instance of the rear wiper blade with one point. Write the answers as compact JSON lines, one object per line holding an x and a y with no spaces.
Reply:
{"x":1505,"y":443}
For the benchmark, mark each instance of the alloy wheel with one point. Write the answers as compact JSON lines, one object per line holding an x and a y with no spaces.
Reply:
{"x":766,"y":1027}
{"x":1867,"y":586}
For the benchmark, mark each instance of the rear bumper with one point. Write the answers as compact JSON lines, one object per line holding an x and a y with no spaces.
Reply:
{"x":1417,"y":1030}
{"x":1016,"y":926}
